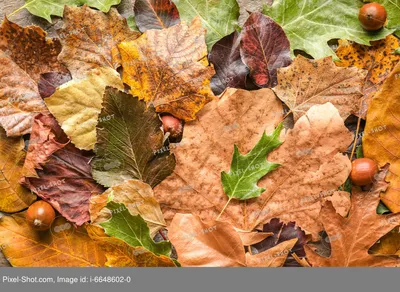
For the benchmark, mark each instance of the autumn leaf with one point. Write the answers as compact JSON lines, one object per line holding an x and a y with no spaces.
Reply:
{"x":77,"y":104}
{"x":25,"y":53}
{"x":13,"y":197}
{"x":309,"y":82}
{"x":351,"y":237}
{"x":246,"y":170}
{"x":61,"y":246}
{"x":382,"y":134}
{"x":388,"y":244}
{"x":49,"y":82}
{"x":262,"y":56}
{"x":155,"y":14}
{"x":230,"y":71}
{"x":63,"y":173}
{"x":132,"y":229}
{"x":217,"y":244}
{"x":218,"y":17}
{"x":168,"y":69}
{"x":138,"y":198}
{"x":309,"y":25}
{"x":377,"y":59}
{"x":90,"y":38}
{"x":121,"y":254}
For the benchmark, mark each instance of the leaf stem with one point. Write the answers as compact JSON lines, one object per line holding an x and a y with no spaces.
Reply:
{"x":19,"y":9}
{"x":226,"y":205}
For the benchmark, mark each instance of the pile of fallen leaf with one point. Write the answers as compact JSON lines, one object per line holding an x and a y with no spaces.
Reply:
{"x":273,"y":111}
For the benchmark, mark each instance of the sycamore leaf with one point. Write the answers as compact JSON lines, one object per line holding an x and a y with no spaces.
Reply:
{"x":49,"y":82}
{"x":351,"y":237}
{"x":132,"y":229}
{"x":61,"y":246}
{"x":393,"y":10}
{"x":121,"y":254}
{"x":377,"y":59}
{"x":155,"y":14}
{"x":217,"y":244}
{"x":90,"y":38}
{"x":127,"y":143}
{"x":168,"y":68}
{"x":246,"y":170}
{"x":382,"y":135}
{"x":218,"y":17}
{"x":77,"y":104}
{"x":138,"y":198}
{"x":259,"y":53}
{"x":13,"y":197}
{"x":25,"y":53}
{"x":309,"y":82}
{"x":310,"y":24}
{"x":62,"y":172}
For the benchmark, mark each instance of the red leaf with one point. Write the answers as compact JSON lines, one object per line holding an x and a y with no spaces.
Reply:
{"x":48,"y":82}
{"x":264,"y":48}
{"x":155,"y":14}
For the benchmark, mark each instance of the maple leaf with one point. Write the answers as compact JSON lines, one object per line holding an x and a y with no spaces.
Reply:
{"x":90,"y":38}
{"x":13,"y":197}
{"x":132,"y":229}
{"x":77,"y":104}
{"x":310,"y":24}
{"x":351,"y":237}
{"x":138,"y":198}
{"x":308,"y":82}
{"x":246,"y":170}
{"x":49,"y":82}
{"x":25,"y":53}
{"x":217,"y":244}
{"x":262,"y":56}
{"x":62,"y":172}
{"x":62,"y":246}
{"x":218,"y":17}
{"x":128,"y":141}
{"x":377,"y":59}
{"x":230,"y":71}
{"x":168,"y":69}
{"x":382,"y":134}
{"x":155,"y":14}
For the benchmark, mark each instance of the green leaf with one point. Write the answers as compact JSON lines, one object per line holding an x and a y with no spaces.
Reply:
{"x":310,"y":24}
{"x":347,"y":186}
{"x":382,"y":209}
{"x":246,"y":170}
{"x":393,"y":10}
{"x":359,"y":152}
{"x":220,"y":17}
{"x":132,"y":23}
{"x":133,"y":230}
{"x":47,"y":8}
{"x":397,"y":51}
{"x":129,"y":138}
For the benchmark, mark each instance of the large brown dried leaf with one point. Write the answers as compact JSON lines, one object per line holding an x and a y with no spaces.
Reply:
{"x":90,"y":39}
{"x":309,"y":82}
{"x":169,"y":69}
{"x":351,"y":237}
{"x":388,"y":245}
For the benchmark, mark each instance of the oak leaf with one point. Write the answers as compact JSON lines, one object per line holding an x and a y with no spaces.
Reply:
{"x":382,"y":135}
{"x":90,"y":38}
{"x":77,"y":104}
{"x":308,"y":82}
{"x":155,"y":14}
{"x":351,"y":237}
{"x":169,"y":69}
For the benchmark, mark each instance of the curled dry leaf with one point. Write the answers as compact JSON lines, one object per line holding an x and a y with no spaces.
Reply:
{"x":252,"y":237}
{"x":378,"y":59}
{"x":351,"y":237}
{"x":217,"y":244}
{"x":309,"y":82}
{"x":77,"y":104}
{"x":13,"y":197}
{"x":57,"y":247}
{"x":262,"y":55}
{"x":138,"y":198}
{"x":169,"y":69}
{"x":341,"y":202}
{"x":155,"y":14}
{"x":62,"y":172}
{"x":90,"y":38}
{"x":382,"y":135}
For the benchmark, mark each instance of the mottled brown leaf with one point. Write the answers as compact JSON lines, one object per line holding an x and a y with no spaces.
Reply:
{"x":155,"y":14}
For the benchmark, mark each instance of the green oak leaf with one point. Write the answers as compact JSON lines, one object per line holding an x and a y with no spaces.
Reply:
{"x":246,"y":170}
{"x":393,"y":10}
{"x":310,"y":24}
{"x":220,"y":17}
{"x":47,"y":8}
{"x":130,"y":142}
{"x":132,"y":229}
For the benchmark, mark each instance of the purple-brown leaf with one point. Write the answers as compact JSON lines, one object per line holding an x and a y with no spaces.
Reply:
{"x":155,"y":14}
{"x":49,"y":82}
